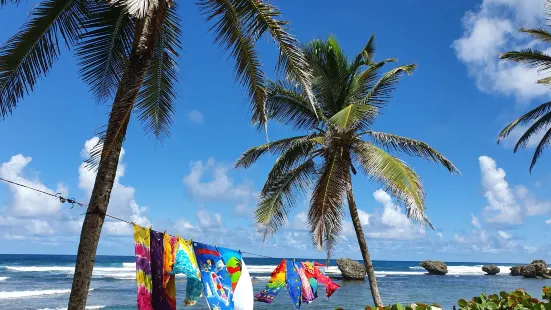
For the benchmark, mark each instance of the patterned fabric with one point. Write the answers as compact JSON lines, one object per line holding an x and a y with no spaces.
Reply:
{"x":232,"y":259}
{"x":142,"y":242}
{"x":277,"y":281}
{"x":215,"y":276}
{"x":186,"y":263}
{"x":316,"y":277}
{"x":243,"y":295}
{"x":157,"y":271}
{"x":294,"y":284}
{"x":307,"y":294}
{"x":169,"y":282}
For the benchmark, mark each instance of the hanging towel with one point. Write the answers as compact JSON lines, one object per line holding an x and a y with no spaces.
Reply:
{"x":294,"y":285}
{"x":215,"y":276}
{"x":330,"y":286}
{"x":169,"y":282}
{"x":232,"y":259}
{"x":157,"y":270}
{"x":277,"y":281}
{"x":308,"y":269}
{"x":307,"y":294}
{"x":243,"y":296}
{"x":186,"y":263}
{"x":142,"y":242}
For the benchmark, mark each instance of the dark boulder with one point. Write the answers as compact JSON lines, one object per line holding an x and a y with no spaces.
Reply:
{"x":540,"y":261}
{"x":516,"y":270}
{"x":491,"y":269}
{"x":435,"y":267}
{"x":529,"y":271}
{"x":351,"y":269}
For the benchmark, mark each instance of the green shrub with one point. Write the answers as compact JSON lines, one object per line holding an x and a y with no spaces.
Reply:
{"x":517,"y":300}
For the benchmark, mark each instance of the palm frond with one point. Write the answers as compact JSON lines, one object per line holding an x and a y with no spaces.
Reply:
{"x":327,"y":199}
{"x":29,"y":54}
{"x":396,"y":177}
{"x":277,"y":147}
{"x":278,"y":199}
{"x":545,"y":81}
{"x":362,"y":83}
{"x":365,"y":57}
{"x":383,"y":89}
{"x":259,"y":17}
{"x":531,"y":58}
{"x":538,"y":33}
{"x":544,"y":142}
{"x":540,"y":124}
{"x":354,"y":117}
{"x":411,"y":147}
{"x":231,"y":37}
{"x":288,"y":104}
{"x":103,"y":50}
{"x":136,"y":8}
{"x":295,"y":153}
{"x":529,"y":117}
{"x":156,"y":99}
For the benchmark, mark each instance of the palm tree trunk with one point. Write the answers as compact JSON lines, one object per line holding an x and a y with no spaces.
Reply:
{"x":146,"y":33}
{"x":363,"y":247}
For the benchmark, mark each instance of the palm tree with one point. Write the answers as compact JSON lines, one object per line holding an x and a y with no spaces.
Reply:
{"x":349,"y":94}
{"x":130,"y":51}
{"x":539,"y":118}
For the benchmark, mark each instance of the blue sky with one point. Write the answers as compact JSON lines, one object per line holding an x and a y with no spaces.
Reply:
{"x":457,"y":101}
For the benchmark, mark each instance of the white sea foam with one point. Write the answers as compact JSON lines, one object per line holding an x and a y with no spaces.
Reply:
{"x":87,"y":307}
{"x":22,"y":294}
{"x":4,"y":278}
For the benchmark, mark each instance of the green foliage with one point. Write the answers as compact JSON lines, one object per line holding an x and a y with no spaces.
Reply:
{"x":517,"y":300}
{"x":398,"y":306}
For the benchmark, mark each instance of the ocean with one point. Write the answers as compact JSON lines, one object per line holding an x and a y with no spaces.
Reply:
{"x":44,"y":282}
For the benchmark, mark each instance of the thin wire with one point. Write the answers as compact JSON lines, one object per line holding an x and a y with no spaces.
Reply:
{"x":73,"y":202}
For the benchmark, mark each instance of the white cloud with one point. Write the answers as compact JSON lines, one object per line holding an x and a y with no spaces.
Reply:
{"x":502,"y":206}
{"x":219,"y":188}
{"x":504,"y":235}
{"x":440,"y":235}
{"x":300,"y":221}
{"x":25,"y":202}
{"x":244,"y":211}
{"x":548,"y":222}
{"x":492,"y":29}
{"x":475,"y":222}
{"x":196,"y":116}
{"x":531,"y":204}
{"x":206,"y":220}
{"x":459,"y":238}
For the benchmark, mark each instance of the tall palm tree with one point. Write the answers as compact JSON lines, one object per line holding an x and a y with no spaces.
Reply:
{"x":130,"y":51}
{"x":539,"y":118}
{"x":337,"y":138}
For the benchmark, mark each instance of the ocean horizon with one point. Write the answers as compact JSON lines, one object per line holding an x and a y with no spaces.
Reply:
{"x":41,"y":281}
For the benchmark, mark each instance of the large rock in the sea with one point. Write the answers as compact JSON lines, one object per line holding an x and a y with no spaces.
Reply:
{"x":516,"y":270}
{"x":435,"y":267}
{"x":540,"y":261}
{"x":491,"y":269}
{"x":529,"y":271}
{"x":351,"y":269}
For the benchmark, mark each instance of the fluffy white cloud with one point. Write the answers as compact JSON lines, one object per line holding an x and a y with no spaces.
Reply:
{"x":531,"y":204}
{"x":548,"y":222}
{"x":475,"y":222}
{"x":502,"y":206}
{"x":490,"y":30}
{"x":440,"y":235}
{"x":196,"y":116}
{"x":121,"y":203}
{"x":219,"y":188}
{"x":23,"y":201}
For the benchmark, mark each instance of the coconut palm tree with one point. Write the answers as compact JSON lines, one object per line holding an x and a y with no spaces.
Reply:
{"x":337,"y":137}
{"x":129,"y":51}
{"x":539,"y":118}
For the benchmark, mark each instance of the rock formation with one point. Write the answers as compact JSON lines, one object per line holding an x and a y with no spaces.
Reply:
{"x":536,"y":269}
{"x":491,"y":269}
{"x":435,"y":267}
{"x":351,"y":269}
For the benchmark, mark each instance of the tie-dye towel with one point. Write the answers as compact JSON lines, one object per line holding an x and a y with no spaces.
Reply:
{"x":232,"y":259}
{"x":277,"y":281}
{"x":170,"y":244}
{"x":186,"y":263}
{"x":156,"y":251}
{"x":215,"y":276}
{"x":330,"y":286}
{"x":294,"y":285}
{"x":143,"y":266}
{"x":307,"y":294}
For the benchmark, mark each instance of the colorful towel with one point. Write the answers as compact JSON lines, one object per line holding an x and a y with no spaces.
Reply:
{"x":186,"y":263}
{"x":294,"y":285}
{"x":216,"y":279}
{"x":169,"y":281}
{"x":243,"y":295}
{"x":142,"y":242}
{"x":313,"y":272}
{"x":232,"y":259}
{"x":277,"y":281}
{"x":307,"y":294}
{"x":156,"y":252}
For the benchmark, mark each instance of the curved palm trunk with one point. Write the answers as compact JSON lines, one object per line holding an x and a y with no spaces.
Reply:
{"x":147,"y":30}
{"x":363,"y":247}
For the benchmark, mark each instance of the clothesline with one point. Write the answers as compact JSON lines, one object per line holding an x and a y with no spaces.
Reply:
{"x":73,"y":202}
